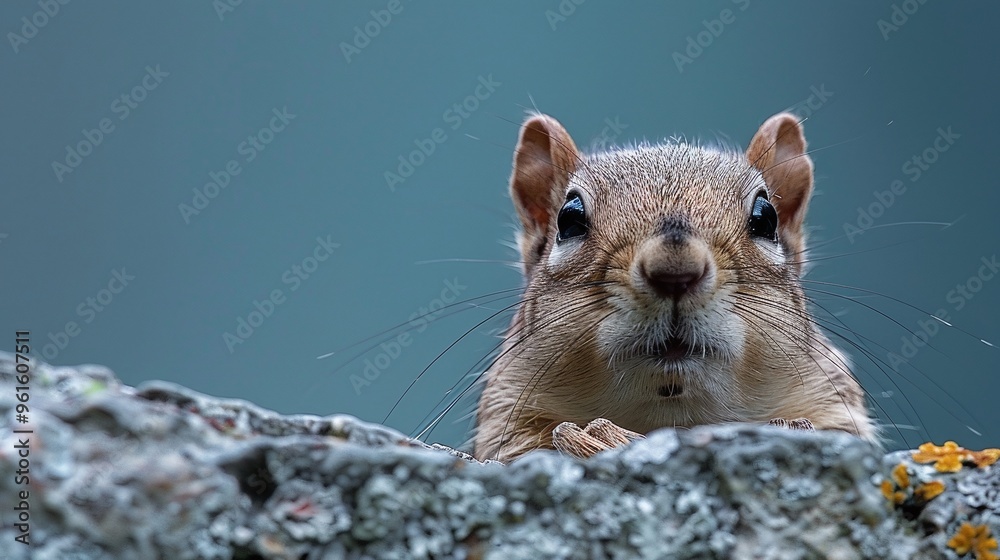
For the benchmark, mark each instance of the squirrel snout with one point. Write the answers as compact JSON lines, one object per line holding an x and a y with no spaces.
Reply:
{"x":672,"y":270}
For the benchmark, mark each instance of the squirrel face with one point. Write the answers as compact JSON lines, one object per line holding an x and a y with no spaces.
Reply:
{"x":662,"y":290}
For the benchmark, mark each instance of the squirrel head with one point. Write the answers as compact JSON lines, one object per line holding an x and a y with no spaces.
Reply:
{"x":662,"y":288}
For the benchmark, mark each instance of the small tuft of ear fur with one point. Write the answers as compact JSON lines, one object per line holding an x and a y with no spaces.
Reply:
{"x":778,"y":151}
{"x":543,"y":162}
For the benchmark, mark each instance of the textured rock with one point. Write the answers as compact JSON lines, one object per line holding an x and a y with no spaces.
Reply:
{"x":160,"y":471}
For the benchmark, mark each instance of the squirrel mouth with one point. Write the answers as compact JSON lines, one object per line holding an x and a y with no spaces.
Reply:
{"x":673,"y":349}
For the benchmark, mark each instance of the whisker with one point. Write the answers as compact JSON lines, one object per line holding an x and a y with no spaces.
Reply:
{"x":824,"y":243}
{"x":537,"y":376}
{"x":878,"y":362}
{"x":490,"y":261}
{"x":443,"y":352}
{"x":391,"y":330}
{"x":865,"y":305}
{"x":513,"y":334}
{"x":771,"y":321}
{"x":868,"y":354}
{"x":902,"y":302}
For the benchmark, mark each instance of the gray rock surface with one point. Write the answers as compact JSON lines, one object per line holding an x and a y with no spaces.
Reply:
{"x":160,"y":471}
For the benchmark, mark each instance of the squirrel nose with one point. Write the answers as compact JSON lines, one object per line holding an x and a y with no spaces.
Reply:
{"x":673,"y":263}
{"x":671,"y":281}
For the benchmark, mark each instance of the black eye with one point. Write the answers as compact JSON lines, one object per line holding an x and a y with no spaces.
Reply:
{"x":572,"y":219}
{"x":763,"y":219}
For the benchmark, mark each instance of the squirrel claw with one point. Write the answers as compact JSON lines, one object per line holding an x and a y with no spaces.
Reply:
{"x":599,"y":435}
{"x":796,"y":424}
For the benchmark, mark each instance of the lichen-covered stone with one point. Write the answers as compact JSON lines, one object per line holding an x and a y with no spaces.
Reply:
{"x":160,"y":471}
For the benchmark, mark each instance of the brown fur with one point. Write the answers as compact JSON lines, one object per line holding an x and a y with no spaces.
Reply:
{"x":582,"y":343}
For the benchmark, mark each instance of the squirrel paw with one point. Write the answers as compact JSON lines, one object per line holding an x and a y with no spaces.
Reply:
{"x":796,"y":424}
{"x":599,"y":435}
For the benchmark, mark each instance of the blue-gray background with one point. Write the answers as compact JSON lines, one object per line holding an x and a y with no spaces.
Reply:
{"x":879,"y":96}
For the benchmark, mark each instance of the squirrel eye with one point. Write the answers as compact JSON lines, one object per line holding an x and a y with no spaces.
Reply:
{"x":572,"y":219}
{"x":763,"y":219}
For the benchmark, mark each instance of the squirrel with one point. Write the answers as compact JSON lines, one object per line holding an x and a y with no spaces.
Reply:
{"x":662,"y":289}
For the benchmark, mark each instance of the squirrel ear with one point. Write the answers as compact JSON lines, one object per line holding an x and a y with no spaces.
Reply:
{"x":543,"y":162}
{"x":778,"y":151}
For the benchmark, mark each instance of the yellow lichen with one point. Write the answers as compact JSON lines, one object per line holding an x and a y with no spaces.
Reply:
{"x":948,"y":463}
{"x":900,"y":475}
{"x":897,"y":489}
{"x":975,"y":539}
{"x":950,"y":456}
{"x":929,"y":490}
{"x":887,"y":489}
{"x":986,"y":457}
{"x":891,"y":494}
